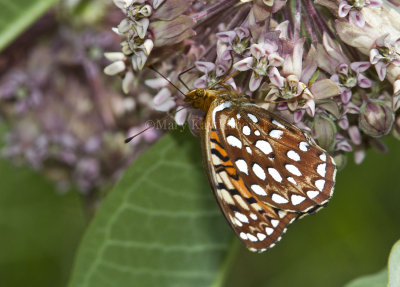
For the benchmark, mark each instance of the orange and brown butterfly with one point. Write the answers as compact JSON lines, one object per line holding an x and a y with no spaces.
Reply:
{"x":264,"y":171}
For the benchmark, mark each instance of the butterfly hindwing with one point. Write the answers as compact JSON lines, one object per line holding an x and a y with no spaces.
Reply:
{"x":279,"y":164}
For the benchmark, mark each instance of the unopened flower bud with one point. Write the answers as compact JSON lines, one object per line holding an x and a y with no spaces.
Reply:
{"x":114,"y":56}
{"x":340,"y":160}
{"x":115,"y":68}
{"x":359,"y":156}
{"x":127,"y":82}
{"x":355,"y":135}
{"x":376,"y":118}
{"x":293,"y":81}
{"x":146,"y":10}
{"x":324,"y":130}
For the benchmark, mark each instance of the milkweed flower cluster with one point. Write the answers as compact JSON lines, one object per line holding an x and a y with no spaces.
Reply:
{"x":64,"y":118}
{"x":331,"y":67}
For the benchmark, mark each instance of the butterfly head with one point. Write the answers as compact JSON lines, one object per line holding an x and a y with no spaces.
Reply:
{"x":201,"y":98}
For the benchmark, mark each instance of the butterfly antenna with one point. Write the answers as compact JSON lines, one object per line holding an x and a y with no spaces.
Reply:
{"x":224,"y":80}
{"x":184,"y":72}
{"x":165,"y":78}
{"x":129,"y":139}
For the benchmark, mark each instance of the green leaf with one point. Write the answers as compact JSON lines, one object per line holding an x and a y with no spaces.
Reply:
{"x":380,"y":279}
{"x":159,"y":226}
{"x":394,"y":266}
{"x":17,"y":15}
{"x":40,"y":229}
{"x":375,"y":280}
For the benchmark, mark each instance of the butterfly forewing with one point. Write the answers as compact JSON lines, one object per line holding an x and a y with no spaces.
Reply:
{"x":278,"y":163}
{"x":258,"y":225}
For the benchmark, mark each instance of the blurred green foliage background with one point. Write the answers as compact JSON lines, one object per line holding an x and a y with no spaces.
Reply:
{"x":40,"y":228}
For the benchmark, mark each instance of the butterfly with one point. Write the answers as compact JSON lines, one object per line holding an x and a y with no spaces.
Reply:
{"x":264,"y":171}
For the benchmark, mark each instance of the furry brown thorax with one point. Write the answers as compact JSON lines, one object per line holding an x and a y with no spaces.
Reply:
{"x":202,"y":98}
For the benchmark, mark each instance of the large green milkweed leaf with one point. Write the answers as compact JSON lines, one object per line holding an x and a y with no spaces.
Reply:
{"x":159,"y":226}
{"x":17,"y":15}
{"x":394,"y":266}
{"x":375,"y":280}
{"x":389,"y":277}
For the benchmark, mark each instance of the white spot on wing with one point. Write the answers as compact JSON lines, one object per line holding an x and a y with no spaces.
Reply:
{"x":219,"y":108}
{"x":277,"y":134}
{"x":253,"y":216}
{"x":281,"y":213}
{"x":261,"y":236}
{"x":226,"y":196}
{"x":246,"y":131}
{"x":249,"y":150}
{"x":231,"y":123}
{"x":234,"y":141}
{"x":269,"y":230}
{"x":291,"y":179}
{"x":293,"y":155}
{"x":303,"y":146}
{"x":279,"y":199}
{"x":258,"y":189}
{"x":242,"y":166}
{"x":237,"y":222}
{"x":321,"y":169}
{"x":264,"y":146}
{"x":241,"y":217}
{"x":278,"y":124}
{"x":243,"y":235}
{"x":320,"y":183}
{"x":241,"y":202}
{"x":238,"y":116}
{"x":297,"y":199}
{"x":323,"y":157}
{"x":252,"y":237}
{"x":275,"y":174}
{"x":259,"y":171}
{"x":257,"y":133}
{"x":274,"y":222}
{"x":312,"y":193}
{"x":293,"y":169}
{"x":256,"y":206}
{"x":253,"y":118}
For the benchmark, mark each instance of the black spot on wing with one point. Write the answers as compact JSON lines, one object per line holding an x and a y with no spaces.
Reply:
{"x":250,"y":200}
{"x":219,"y":155}
{"x":216,"y":142}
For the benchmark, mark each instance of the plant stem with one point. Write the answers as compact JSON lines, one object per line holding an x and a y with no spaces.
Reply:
{"x":204,"y":15}
{"x":297,"y":20}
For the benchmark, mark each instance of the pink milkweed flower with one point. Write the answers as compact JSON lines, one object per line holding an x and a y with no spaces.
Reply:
{"x":353,"y":9}
{"x":263,"y":56}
